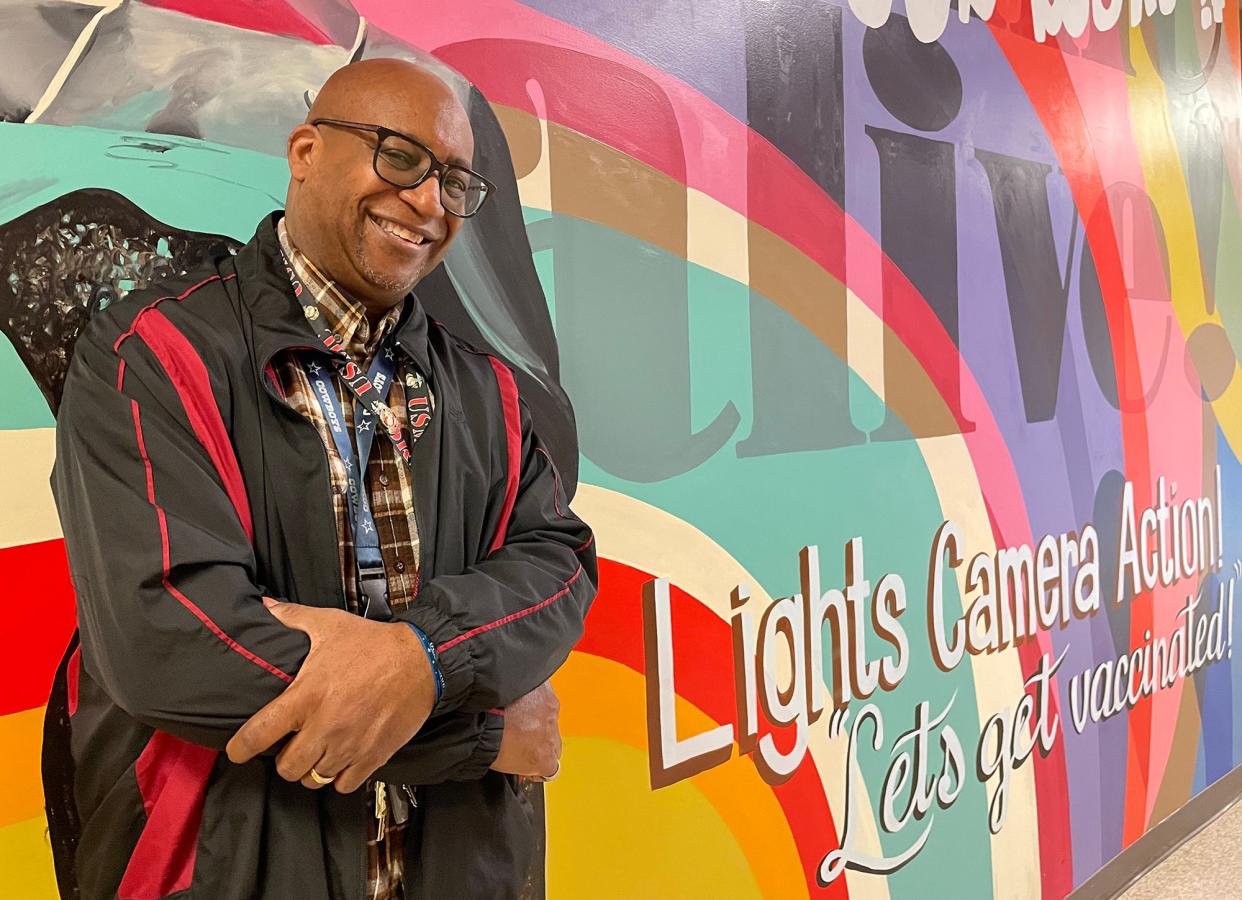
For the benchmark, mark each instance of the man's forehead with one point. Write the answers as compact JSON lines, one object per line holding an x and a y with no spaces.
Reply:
{"x":442,"y":126}
{"x":420,"y":107}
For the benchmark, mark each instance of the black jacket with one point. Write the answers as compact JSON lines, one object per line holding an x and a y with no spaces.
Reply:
{"x":187,"y":490}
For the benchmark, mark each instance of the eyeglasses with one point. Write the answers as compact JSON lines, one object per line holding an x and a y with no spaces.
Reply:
{"x":405,"y":163}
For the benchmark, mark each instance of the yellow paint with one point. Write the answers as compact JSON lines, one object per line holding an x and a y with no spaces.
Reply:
{"x":26,"y":457}
{"x":610,"y":836}
{"x":535,"y":188}
{"x":716,"y":236}
{"x":1166,"y":185}
{"x":721,"y":833}
{"x":26,"y":861}
{"x":21,"y":781}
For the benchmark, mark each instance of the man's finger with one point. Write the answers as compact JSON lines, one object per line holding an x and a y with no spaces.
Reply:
{"x":293,"y":615}
{"x":266,"y":727}
{"x":352,"y":776}
{"x":327,"y":766}
{"x":294,"y":762}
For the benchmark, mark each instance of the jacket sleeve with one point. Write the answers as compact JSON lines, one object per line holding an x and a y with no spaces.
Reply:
{"x":171,"y":620}
{"x":455,"y":747}
{"x":502,"y":627}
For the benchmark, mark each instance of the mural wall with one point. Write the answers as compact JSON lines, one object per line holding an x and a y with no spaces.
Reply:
{"x":901,"y":343}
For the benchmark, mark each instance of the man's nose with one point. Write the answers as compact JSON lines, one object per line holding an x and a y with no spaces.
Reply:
{"x":424,"y":197}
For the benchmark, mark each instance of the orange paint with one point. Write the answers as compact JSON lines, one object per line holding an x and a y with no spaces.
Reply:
{"x":21,"y":781}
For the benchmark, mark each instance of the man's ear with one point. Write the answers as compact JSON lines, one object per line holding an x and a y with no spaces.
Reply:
{"x":301,"y":150}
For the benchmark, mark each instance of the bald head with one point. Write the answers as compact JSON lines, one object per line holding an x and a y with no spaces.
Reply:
{"x":383,"y":90}
{"x":375,"y":239}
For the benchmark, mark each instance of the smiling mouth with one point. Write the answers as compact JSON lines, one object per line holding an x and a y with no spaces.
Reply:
{"x":392,"y":229}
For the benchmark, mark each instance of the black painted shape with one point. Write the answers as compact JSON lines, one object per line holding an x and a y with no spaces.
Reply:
{"x":918,"y":232}
{"x":795,"y":99}
{"x":1038,"y":295}
{"x":918,"y":83}
{"x":799,"y":387}
{"x":794,"y":85}
{"x":518,"y":305}
{"x":63,"y":260}
{"x":1106,"y":514}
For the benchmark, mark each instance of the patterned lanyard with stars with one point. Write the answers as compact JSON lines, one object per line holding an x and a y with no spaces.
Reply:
{"x":371,"y":577}
{"x":370,"y":390}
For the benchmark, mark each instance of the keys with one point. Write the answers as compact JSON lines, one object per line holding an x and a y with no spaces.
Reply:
{"x":381,"y":810}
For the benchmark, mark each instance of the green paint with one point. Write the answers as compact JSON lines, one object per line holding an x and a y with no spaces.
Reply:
{"x":24,"y":406}
{"x":543,"y":270}
{"x":189,"y":184}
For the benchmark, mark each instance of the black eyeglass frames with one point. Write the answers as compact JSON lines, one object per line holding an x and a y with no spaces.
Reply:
{"x":404,"y":162}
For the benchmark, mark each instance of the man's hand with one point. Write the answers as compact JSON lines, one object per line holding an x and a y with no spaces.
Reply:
{"x":363,"y":692}
{"x":531,"y":743}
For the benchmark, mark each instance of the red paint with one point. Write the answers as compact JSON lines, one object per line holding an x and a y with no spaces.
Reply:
{"x":513,"y":617}
{"x":641,"y":120}
{"x":39,"y":618}
{"x":185,"y":369}
{"x":252,"y":15}
{"x":513,"y":444}
{"x":172,"y":777}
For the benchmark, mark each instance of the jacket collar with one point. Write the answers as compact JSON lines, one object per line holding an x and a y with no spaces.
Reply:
{"x":277,"y":316}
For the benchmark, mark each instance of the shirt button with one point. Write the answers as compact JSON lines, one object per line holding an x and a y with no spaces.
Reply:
{"x":400,"y":566}
{"x":383,"y":479}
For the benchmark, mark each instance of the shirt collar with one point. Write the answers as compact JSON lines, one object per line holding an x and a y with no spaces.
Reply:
{"x":344,"y":316}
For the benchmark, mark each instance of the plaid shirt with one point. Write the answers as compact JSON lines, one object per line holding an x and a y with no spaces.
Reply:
{"x":392,"y":504}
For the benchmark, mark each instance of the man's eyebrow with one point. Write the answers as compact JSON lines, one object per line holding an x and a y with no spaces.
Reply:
{"x":453,"y":160}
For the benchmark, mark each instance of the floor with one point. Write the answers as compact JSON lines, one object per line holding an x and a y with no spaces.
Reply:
{"x":1207,"y":867}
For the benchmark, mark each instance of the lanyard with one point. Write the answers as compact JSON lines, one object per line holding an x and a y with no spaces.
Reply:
{"x":418,"y":400}
{"x":370,"y":390}
{"x":367,"y":556}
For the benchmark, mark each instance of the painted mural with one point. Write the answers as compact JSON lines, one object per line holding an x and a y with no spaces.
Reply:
{"x":891,"y":348}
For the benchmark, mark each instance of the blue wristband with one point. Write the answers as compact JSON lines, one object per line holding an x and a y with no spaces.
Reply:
{"x":431,"y":657}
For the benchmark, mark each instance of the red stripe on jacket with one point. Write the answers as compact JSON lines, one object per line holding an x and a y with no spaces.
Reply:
{"x":513,"y":446}
{"x":71,"y":680}
{"x":172,"y":774}
{"x":188,"y":375}
{"x":172,"y":777}
{"x":512,"y":617}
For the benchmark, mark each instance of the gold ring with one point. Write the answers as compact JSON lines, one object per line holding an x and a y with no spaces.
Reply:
{"x":319,"y":779}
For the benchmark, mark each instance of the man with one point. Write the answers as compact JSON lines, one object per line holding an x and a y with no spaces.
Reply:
{"x":308,"y":525}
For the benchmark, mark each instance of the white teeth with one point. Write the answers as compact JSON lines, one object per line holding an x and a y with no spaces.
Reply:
{"x":394,"y":229}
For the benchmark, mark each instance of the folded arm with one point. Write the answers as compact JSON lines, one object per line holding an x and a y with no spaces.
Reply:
{"x":172,"y":621}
